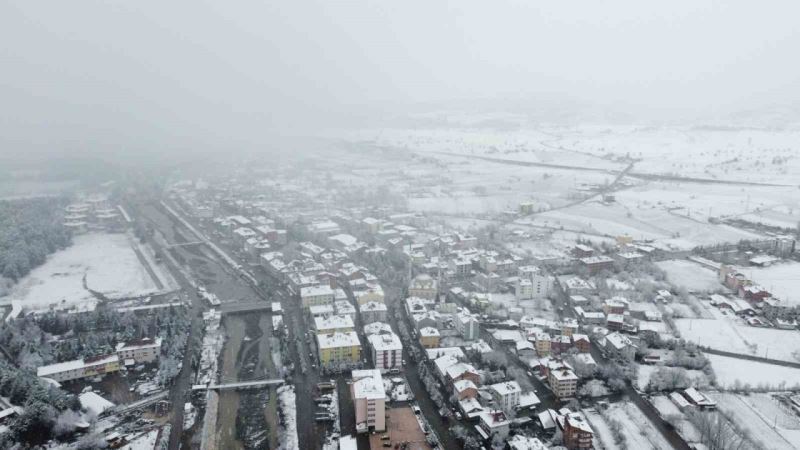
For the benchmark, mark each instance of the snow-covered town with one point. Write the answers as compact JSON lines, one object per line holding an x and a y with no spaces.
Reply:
{"x":394,"y":225}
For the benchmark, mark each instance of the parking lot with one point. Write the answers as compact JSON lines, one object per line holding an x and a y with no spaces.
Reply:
{"x":402,"y":427}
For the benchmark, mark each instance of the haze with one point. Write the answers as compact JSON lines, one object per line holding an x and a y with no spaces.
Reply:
{"x":129,"y":77}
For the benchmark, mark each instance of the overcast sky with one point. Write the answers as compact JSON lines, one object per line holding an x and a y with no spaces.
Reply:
{"x":136,"y":75}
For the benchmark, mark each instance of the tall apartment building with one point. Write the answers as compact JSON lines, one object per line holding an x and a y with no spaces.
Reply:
{"x":369,"y":400}
{"x":387,"y":351}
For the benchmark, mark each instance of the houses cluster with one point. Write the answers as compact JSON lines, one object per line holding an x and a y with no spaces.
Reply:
{"x":749,"y":299}
{"x":572,"y":428}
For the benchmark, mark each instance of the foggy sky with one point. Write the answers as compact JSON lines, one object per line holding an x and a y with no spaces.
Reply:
{"x":116,"y":76}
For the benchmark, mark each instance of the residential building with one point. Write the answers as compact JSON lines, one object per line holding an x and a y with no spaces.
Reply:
{"x":429,"y":337}
{"x":373,"y":312}
{"x":563,"y":381}
{"x":506,"y":395}
{"x":373,"y":293}
{"x":316,"y":295}
{"x":369,"y":400}
{"x":596,"y":264}
{"x":467,"y":326}
{"x":619,"y":345}
{"x":581,"y":342}
{"x":387,"y":351}
{"x":464,"y":389}
{"x":80,"y":368}
{"x":140,"y":351}
{"x":577,"y":433}
{"x":339,"y":347}
{"x":494,"y":423}
{"x":333,"y":324}
{"x":423,"y":286}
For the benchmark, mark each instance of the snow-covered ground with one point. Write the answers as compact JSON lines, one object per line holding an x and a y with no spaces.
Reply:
{"x":729,"y":333}
{"x":286,"y":400}
{"x":106,"y":262}
{"x":603,"y":437}
{"x":730,"y":370}
{"x":145,"y":441}
{"x":691,"y":275}
{"x":639,"y":432}
{"x":669,"y":411}
{"x":767,"y":421}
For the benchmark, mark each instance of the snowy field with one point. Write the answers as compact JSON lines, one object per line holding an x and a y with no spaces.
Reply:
{"x":691,"y":275}
{"x":768,"y":422}
{"x":639,"y":432}
{"x":781,"y":279}
{"x":728,"y":334}
{"x":603,"y":437}
{"x":674,"y":213}
{"x":106,"y":263}
{"x":730,"y":370}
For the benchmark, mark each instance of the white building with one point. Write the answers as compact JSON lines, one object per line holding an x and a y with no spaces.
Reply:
{"x":506,"y":395}
{"x":331,"y":324}
{"x":563,"y":382}
{"x":387,"y":351}
{"x":467,"y":326}
{"x":141,"y":351}
{"x":369,"y":400}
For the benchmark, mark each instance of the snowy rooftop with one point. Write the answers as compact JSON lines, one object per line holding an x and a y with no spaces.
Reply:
{"x":373,"y":306}
{"x":506,"y":388}
{"x":334,"y":340}
{"x":385,"y":342}
{"x":339,"y":321}
{"x":377,"y":328}
{"x":311,"y":291}
{"x":368,"y":384}
{"x":74,"y":365}
{"x":429,"y":332}
{"x":435,"y":353}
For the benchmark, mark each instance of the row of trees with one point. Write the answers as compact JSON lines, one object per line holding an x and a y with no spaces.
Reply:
{"x":30,"y":229}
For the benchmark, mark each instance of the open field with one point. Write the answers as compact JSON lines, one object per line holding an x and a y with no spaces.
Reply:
{"x":730,"y":334}
{"x":691,"y":275}
{"x":781,"y":279}
{"x":730,"y":370}
{"x":768,"y":422}
{"x":639,"y":432}
{"x":104,"y":263}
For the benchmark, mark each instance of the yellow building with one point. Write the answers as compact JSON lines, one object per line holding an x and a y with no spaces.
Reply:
{"x":429,"y":337}
{"x":80,"y":368}
{"x":338,"y":347}
{"x":542,"y":344}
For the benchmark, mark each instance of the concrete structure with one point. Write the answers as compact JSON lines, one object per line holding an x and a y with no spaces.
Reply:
{"x":316,"y":295}
{"x":506,"y":395}
{"x":373,"y":293}
{"x":333,"y":324}
{"x":563,"y":382}
{"x":369,"y":400}
{"x":373,"y":312}
{"x":339,"y":347}
{"x":80,"y":368}
{"x":142,"y":351}
{"x":467,"y":326}
{"x":387,"y":351}
{"x":429,"y":337}
{"x":577,"y":433}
